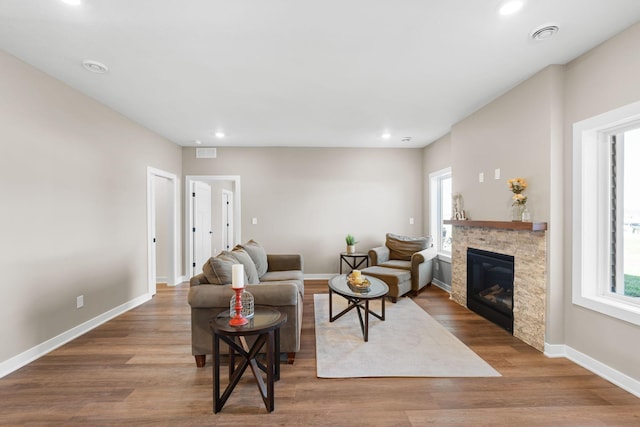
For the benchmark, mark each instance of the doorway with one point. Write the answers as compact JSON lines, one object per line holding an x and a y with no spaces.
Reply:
{"x":225,"y":221}
{"x":202,"y":230}
{"x":162,"y":209}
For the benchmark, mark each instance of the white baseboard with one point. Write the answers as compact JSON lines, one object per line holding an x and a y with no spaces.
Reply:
{"x":41,"y":349}
{"x":441,"y":285}
{"x":323,"y":276}
{"x":623,"y":381}
{"x":179,"y":279}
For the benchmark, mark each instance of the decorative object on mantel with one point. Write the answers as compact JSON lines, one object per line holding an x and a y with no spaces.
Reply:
{"x":351,"y":244}
{"x":519,"y":205}
{"x":458,"y":212}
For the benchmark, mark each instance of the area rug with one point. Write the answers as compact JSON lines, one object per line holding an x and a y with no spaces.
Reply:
{"x":409,"y":343}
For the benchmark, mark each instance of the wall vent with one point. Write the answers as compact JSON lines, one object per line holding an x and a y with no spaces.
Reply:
{"x":206,"y":153}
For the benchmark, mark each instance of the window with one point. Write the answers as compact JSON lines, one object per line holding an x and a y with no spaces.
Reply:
{"x":625,"y":212}
{"x":606,"y":213}
{"x":440,"y":209}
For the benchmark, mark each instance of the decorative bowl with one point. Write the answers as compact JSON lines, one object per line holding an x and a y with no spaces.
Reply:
{"x":358,"y":286}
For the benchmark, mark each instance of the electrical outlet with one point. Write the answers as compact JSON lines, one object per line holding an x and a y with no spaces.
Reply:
{"x":80,"y":301}
{"x":411,"y":221}
{"x":496,"y":173}
{"x":254,"y":221}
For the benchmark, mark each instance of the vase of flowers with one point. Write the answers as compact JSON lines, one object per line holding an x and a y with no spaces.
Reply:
{"x":519,"y":205}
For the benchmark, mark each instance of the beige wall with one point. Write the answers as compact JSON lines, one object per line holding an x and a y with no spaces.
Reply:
{"x":602,"y":80}
{"x":73,"y":214}
{"x":307,"y":200}
{"x":435,"y":157}
{"x":512,"y":134}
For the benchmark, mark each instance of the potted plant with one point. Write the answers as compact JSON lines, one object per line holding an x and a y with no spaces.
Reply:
{"x":351,"y":244}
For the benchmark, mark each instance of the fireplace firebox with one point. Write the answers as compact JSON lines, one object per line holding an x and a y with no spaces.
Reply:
{"x":490,"y":286}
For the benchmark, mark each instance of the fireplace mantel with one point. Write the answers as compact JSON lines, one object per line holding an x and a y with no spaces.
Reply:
{"x":504,"y":225}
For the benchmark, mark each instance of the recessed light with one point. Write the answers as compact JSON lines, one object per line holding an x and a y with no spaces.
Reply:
{"x":72,"y":2}
{"x":544,"y":32}
{"x":197,"y":142}
{"x":219,"y":134}
{"x":95,"y":66}
{"x":385,"y":135}
{"x":510,"y":7}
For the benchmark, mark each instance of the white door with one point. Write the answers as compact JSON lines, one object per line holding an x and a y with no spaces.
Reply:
{"x":202,"y":233}
{"x":227,"y":220}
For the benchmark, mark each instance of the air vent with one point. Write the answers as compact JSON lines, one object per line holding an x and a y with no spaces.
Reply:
{"x":544,"y":32}
{"x":206,"y":153}
{"x":94,"y":66}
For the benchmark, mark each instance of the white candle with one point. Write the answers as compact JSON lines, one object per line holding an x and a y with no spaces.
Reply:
{"x":237,"y":276}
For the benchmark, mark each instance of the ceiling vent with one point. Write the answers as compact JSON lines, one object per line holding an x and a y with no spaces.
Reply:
{"x":544,"y":32}
{"x":206,"y":153}
{"x":95,"y":66}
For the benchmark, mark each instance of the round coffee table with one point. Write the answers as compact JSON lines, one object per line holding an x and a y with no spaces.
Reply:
{"x":357,"y":299}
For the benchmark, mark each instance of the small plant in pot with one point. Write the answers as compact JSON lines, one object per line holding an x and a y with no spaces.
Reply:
{"x":351,"y":244}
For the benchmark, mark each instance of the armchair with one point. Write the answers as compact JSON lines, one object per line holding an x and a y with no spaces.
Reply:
{"x":412,"y":254}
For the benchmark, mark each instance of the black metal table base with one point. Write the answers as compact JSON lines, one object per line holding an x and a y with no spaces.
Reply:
{"x":357,"y":303}
{"x":354,"y":261}
{"x":248,"y":355}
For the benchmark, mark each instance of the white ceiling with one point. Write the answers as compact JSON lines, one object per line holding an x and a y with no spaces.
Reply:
{"x":323,"y":73}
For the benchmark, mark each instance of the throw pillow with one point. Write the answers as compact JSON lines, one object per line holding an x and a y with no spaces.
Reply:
{"x":249,"y":266}
{"x":257,"y":254}
{"x":402,"y":247}
{"x":218,"y":269}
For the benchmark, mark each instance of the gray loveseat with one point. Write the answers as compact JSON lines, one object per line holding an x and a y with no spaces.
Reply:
{"x":274,"y":280}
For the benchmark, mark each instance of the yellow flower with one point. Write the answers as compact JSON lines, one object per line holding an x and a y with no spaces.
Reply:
{"x":517,"y":185}
{"x":519,"y":199}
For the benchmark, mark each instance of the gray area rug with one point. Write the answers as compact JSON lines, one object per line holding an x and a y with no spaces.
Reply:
{"x":409,"y":343}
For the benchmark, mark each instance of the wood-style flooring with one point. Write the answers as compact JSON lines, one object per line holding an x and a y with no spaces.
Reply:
{"x":138,"y":370}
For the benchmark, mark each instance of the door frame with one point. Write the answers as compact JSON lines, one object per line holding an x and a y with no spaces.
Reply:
{"x":173,"y":278}
{"x":232,"y":220}
{"x":188,"y":214}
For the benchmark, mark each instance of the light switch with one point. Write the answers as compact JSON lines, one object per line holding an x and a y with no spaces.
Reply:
{"x":411,"y":221}
{"x":254,"y":221}
{"x":481,"y":177}
{"x":496,"y":173}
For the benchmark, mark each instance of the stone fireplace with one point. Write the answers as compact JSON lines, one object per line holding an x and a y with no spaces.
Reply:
{"x":526,"y":242}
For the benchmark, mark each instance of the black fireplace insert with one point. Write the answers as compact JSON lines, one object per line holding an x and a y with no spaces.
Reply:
{"x":490,"y":286}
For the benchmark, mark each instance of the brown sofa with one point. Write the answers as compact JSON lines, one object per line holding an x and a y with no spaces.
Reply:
{"x":403,"y":263}
{"x":274,"y":280}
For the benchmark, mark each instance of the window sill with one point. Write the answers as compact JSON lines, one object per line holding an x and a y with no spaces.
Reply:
{"x":444,"y":257}
{"x":611,"y":307}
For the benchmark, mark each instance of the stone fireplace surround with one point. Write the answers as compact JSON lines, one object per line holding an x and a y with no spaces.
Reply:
{"x":527,"y":243}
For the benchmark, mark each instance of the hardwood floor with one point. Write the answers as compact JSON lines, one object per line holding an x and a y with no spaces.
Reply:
{"x":138,"y":370}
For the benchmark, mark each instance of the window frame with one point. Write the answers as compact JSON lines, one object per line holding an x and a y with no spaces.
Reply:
{"x":435,"y":209}
{"x":592,"y":217}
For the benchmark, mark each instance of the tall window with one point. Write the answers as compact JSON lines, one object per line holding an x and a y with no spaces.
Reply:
{"x":440,"y":209}
{"x":625,"y":212}
{"x":606,"y":213}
